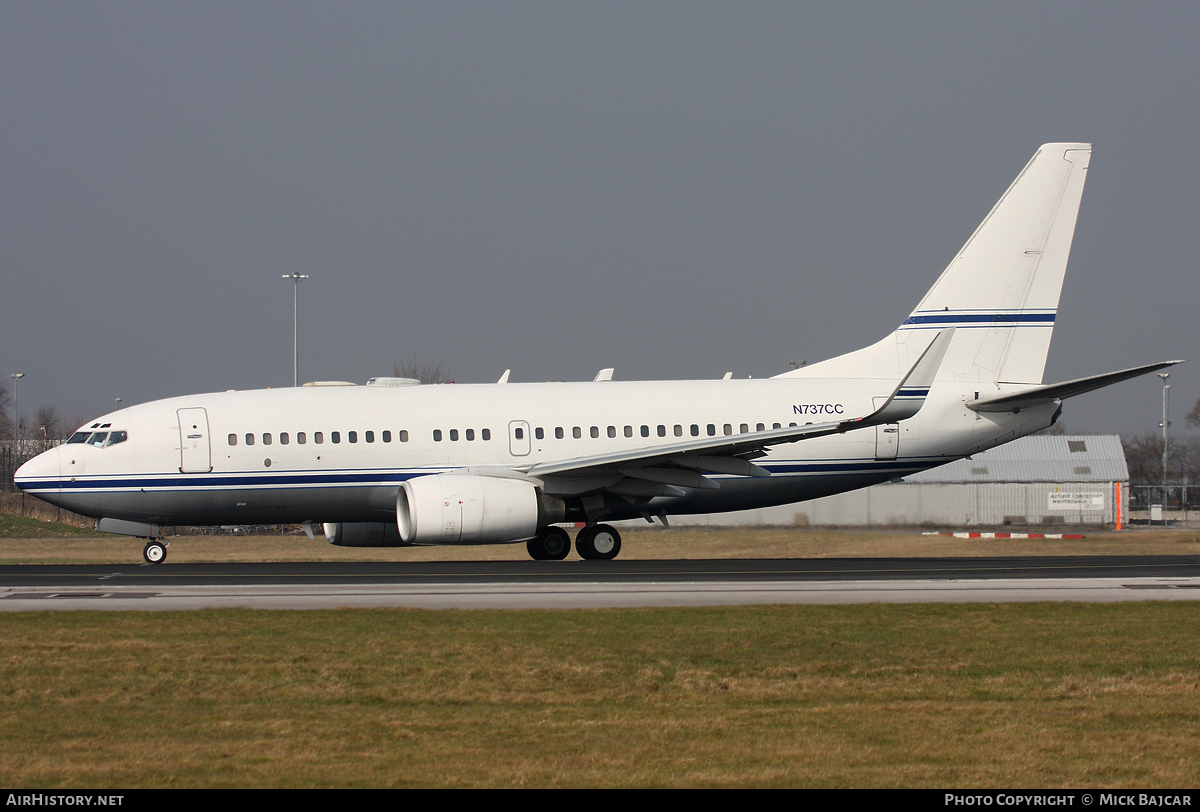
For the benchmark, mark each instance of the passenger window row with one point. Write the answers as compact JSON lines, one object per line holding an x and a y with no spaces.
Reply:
{"x":467,"y":434}
{"x":318,"y":437}
{"x":678,"y":430}
{"x":335,"y":437}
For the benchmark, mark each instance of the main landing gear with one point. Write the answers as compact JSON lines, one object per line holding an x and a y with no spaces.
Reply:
{"x":598,"y":542}
{"x":154,"y":552}
{"x":550,"y":544}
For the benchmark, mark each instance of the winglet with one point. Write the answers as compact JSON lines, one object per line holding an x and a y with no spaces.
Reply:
{"x":908,"y":398}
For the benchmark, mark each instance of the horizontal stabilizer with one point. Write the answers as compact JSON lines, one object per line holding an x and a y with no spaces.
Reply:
{"x":1041,"y":395}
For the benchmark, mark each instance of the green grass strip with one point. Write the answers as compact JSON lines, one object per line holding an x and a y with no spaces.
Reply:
{"x":1025,"y":695}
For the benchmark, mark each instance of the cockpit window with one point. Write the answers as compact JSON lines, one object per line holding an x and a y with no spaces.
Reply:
{"x":97,"y":439}
{"x":79,"y":437}
{"x":116,"y":437}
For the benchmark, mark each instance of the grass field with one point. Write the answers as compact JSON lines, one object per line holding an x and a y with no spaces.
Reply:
{"x":1020,"y":695}
{"x":1011,"y":695}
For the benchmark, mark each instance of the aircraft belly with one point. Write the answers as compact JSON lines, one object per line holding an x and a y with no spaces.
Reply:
{"x":747,"y":494}
{"x":218,"y":507}
{"x":783,"y":487}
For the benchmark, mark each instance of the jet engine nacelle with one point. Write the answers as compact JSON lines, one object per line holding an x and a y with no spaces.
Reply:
{"x":363,"y":534}
{"x":467,"y":509}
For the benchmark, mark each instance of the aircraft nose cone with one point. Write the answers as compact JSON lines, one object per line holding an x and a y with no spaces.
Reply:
{"x":39,"y":473}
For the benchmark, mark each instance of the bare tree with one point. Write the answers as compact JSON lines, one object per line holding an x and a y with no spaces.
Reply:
{"x":48,"y":426}
{"x":1193,"y":417}
{"x":1143,"y":455}
{"x":423,"y":371}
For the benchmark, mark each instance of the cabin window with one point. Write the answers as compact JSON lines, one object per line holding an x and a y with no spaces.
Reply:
{"x":283,"y":438}
{"x":232,"y":439}
{"x":249,"y":439}
{"x":352,"y":436}
{"x":369,"y":436}
{"x":318,"y":437}
{"x":404,"y":435}
{"x":742,"y":429}
{"x":629,"y":431}
{"x":301,"y":438}
{"x":695,"y":430}
{"x":612,"y":431}
{"x":662,"y":431}
{"x":712,"y":429}
{"x":470,"y":434}
{"x":595,"y":431}
{"x":387,"y":436}
{"x":793,"y":425}
{"x":335,"y":436}
{"x":776,"y":426}
{"x":437,"y":435}
{"x":645,"y":431}
{"x":539,"y":433}
{"x":486,"y":434}
{"x":454,"y":435}
{"x":577,"y":432}
{"x":678,"y":430}
{"x":759,"y":427}
{"x":558,"y":433}
{"x":266,"y":438}
{"x":519,"y":433}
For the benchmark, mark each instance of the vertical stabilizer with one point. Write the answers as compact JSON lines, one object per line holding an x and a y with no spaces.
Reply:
{"x":1001,"y":290}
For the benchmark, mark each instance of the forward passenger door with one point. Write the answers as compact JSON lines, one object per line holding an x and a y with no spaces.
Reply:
{"x":194,"y":454}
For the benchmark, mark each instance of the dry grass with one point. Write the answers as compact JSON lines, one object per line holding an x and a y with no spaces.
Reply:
{"x":963,"y":696}
{"x":638,"y":544}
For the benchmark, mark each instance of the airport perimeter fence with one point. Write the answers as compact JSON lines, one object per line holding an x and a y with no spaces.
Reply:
{"x":1175,"y":502}
{"x":10,"y":461}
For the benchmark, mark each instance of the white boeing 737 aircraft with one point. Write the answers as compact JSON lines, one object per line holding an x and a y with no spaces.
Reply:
{"x":396,"y":463}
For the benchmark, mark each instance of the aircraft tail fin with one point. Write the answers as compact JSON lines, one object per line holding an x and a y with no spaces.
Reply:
{"x":1001,"y":291}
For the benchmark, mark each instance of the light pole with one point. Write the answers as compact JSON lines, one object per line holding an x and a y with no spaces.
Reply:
{"x":117,"y":403}
{"x":1165,"y":424}
{"x":295,"y":277}
{"x":16,"y":376}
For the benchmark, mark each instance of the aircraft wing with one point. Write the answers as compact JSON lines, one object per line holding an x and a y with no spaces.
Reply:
{"x":684,"y":464}
{"x":1041,"y":395}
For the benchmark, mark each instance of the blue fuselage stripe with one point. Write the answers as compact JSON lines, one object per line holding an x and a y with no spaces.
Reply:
{"x":365,"y":478}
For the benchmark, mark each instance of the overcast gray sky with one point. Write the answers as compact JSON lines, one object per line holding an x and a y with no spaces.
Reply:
{"x":672,"y":189}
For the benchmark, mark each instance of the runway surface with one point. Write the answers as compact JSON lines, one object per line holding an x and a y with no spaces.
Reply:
{"x":593,"y":584}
